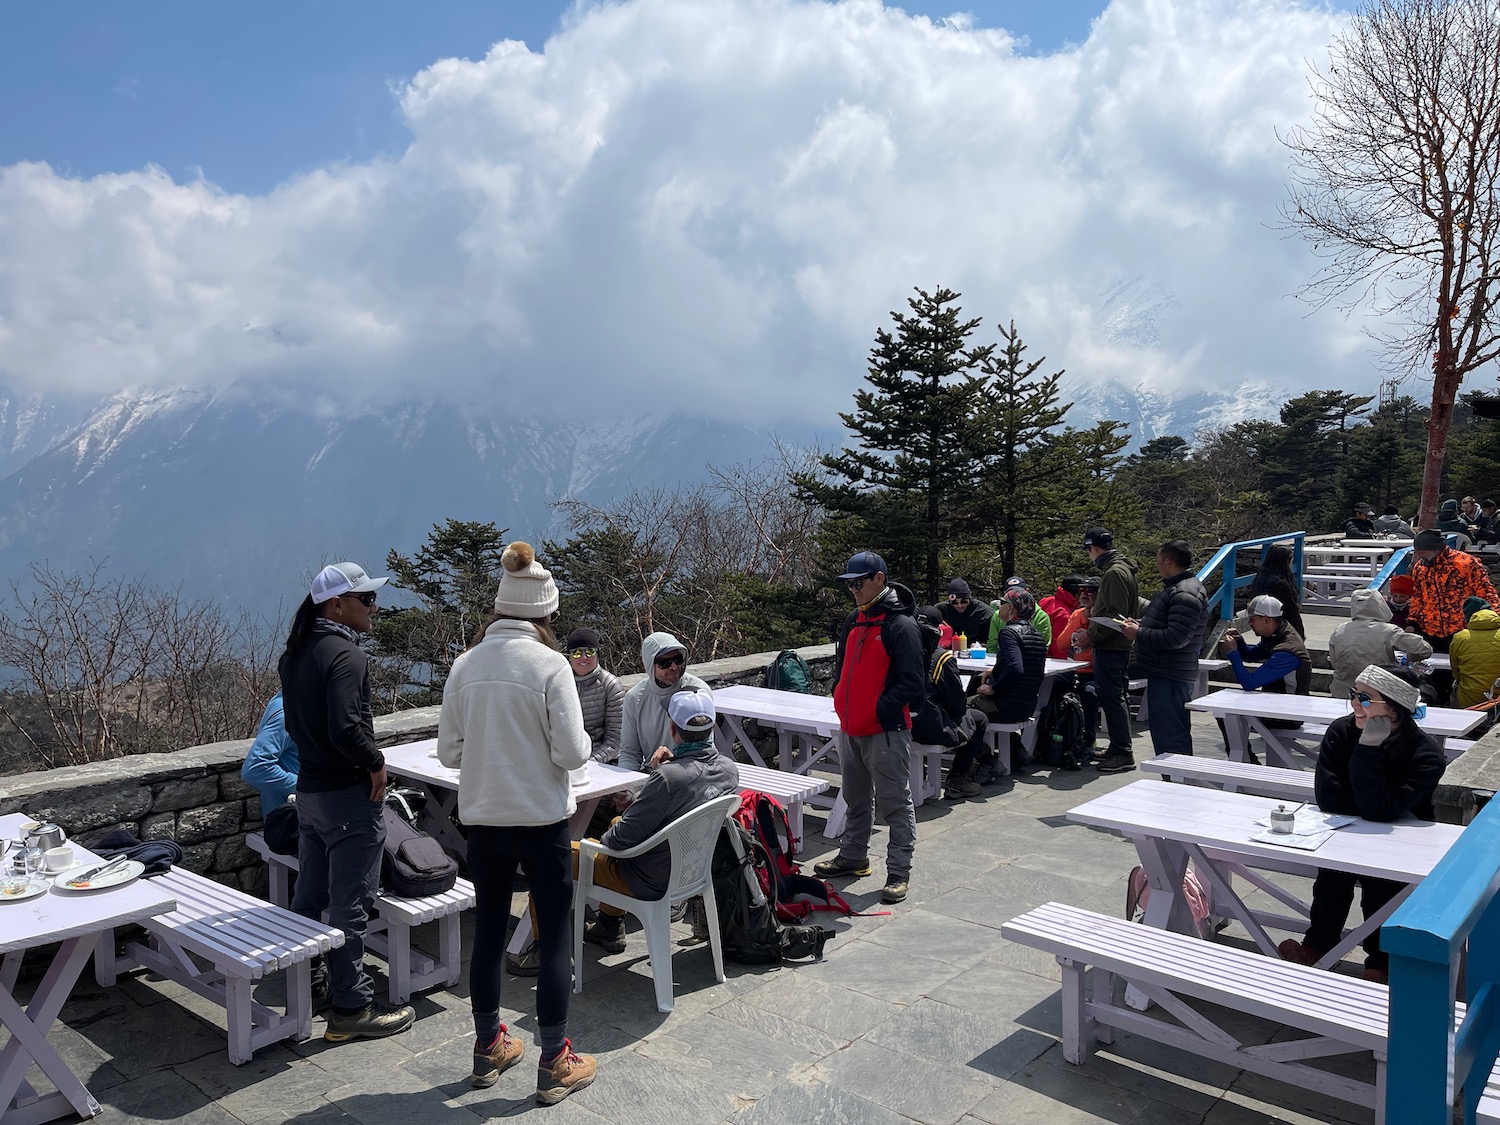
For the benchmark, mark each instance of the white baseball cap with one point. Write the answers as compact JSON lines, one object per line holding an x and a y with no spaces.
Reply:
{"x":343,"y":578}
{"x":1264,"y":605}
{"x":692,"y":711}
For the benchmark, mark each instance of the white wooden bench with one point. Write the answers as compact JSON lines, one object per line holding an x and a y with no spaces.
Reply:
{"x":216,"y":943}
{"x":793,"y":790}
{"x":388,"y":934}
{"x":1339,"y":1014}
{"x":1233,"y":777}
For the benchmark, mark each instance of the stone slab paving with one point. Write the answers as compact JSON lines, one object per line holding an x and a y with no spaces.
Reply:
{"x":926,"y":1015}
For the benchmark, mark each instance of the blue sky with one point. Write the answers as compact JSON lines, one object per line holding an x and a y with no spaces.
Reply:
{"x":253,"y":93}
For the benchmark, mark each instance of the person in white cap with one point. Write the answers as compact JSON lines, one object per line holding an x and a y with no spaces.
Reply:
{"x":325,"y":691}
{"x":688,"y":773}
{"x":1284,"y":664}
{"x":512,"y":726}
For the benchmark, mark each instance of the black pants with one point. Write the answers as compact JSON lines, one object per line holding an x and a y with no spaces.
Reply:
{"x":1111,"y":681}
{"x":1442,"y":680}
{"x":976,"y":748}
{"x":1333,"y":895}
{"x":545,"y":854}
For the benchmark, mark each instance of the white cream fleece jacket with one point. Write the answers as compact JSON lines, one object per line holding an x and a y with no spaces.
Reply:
{"x":511,"y":724}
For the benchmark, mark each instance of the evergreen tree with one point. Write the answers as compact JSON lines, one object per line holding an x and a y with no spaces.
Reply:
{"x":919,"y":449}
{"x":1303,"y":457}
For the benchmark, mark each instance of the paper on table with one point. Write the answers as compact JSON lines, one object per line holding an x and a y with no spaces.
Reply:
{"x":1301,"y":841}
{"x":1310,"y":820}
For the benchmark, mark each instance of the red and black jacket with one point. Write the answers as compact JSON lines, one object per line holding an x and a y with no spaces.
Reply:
{"x":878,"y":665}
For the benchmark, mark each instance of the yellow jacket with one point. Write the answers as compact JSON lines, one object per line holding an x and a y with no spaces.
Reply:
{"x":1475,"y":653}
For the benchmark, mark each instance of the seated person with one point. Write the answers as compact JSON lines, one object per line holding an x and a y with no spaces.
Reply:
{"x":1075,"y":646}
{"x":1475,"y":653}
{"x":599,"y":692}
{"x":1058,"y":607}
{"x":1009,"y":693}
{"x":1391,"y":523}
{"x":1401,"y":588}
{"x":1377,"y":764}
{"x":1285,"y":668}
{"x":1039,"y":619}
{"x":689,"y":773}
{"x":944,"y":717}
{"x":1368,"y":637}
{"x":1488,"y":531}
{"x":964,"y":615}
{"x":1361,"y":526}
{"x":271,"y":765}
{"x":1452,"y":521}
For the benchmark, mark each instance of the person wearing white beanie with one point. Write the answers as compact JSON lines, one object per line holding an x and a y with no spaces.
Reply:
{"x":511,"y":724}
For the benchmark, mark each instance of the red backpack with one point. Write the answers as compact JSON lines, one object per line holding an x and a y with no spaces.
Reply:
{"x":796,"y":895}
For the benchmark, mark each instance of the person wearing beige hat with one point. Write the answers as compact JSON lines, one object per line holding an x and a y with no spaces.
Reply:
{"x":512,"y":726}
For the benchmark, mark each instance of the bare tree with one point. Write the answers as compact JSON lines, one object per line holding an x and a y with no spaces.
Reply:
{"x":1397,"y":186}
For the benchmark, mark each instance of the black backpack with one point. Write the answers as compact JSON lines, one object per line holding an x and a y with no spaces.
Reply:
{"x":751,"y":932}
{"x":414,"y":864}
{"x":1060,"y":732}
{"x":789,"y":672}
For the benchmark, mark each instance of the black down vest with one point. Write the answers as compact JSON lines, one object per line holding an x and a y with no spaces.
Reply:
{"x":1018,"y":703}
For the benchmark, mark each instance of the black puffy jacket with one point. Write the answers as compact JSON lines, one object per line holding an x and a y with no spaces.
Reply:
{"x":1172,"y":628}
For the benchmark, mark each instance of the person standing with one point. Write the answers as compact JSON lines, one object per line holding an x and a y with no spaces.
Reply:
{"x":645,"y":726}
{"x":512,"y":726}
{"x":1168,"y":638}
{"x":1117,"y":600}
{"x":1275,"y":577}
{"x":325,"y":689}
{"x":877,"y":680}
{"x":1442,"y":579}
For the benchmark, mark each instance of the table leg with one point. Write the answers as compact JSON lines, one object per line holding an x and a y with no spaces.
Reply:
{"x":577,"y":826}
{"x":1224,"y":895}
{"x":1165,"y":863}
{"x":1237,"y":730}
{"x":28,"y":1043}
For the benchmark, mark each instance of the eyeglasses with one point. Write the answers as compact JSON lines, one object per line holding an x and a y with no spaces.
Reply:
{"x":368,"y":597}
{"x":1362,"y":698}
{"x":580,"y":653}
{"x":855,"y":583}
{"x":672,"y":660}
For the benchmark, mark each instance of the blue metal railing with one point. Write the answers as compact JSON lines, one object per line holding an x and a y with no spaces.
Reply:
{"x":1221,"y":601}
{"x":1455,"y":907}
{"x":1399,"y":563}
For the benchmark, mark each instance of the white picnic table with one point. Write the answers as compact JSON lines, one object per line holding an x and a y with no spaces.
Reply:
{"x":1247,"y":711}
{"x":79,"y":920}
{"x":1172,"y":824}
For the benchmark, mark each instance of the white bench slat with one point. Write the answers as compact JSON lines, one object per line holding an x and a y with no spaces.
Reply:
{"x":1232,"y":776}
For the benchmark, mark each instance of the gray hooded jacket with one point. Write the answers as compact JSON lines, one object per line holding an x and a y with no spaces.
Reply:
{"x":645,"y":725}
{"x":1368,"y":638}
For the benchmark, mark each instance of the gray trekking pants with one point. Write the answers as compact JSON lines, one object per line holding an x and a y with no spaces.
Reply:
{"x":877,"y":781}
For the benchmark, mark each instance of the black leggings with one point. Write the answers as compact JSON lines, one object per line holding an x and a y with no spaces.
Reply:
{"x":545,"y":854}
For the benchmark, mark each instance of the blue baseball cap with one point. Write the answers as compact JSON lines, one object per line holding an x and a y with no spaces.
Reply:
{"x":863,"y":565}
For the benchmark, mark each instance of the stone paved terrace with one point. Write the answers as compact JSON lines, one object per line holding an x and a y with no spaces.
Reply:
{"x":925,"y":1016}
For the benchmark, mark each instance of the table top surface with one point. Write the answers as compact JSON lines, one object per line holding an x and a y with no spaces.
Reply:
{"x":418,"y":760}
{"x":57,"y":915}
{"x":1357,"y":547}
{"x":1055,"y":667}
{"x":1441,"y":722}
{"x":786,"y":707}
{"x":1405,"y":850}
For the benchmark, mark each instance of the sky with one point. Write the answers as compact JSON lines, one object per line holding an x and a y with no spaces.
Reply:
{"x":593,"y":207}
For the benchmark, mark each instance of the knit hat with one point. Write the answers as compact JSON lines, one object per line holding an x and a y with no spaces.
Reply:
{"x":1402,"y":586}
{"x":959,"y":588}
{"x":583,"y":637}
{"x":1264,"y":605}
{"x":1428,"y":540}
{"x":526,"y":587}
{"x":1364,"y":509}
{"x":1473,"y":605}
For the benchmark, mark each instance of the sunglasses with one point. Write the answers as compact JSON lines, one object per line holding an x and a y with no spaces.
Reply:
{"x":1362,"y":698}
{"x":674,"y":660}
{"x":855,"y":583}
{"x":954,"y":599}
{"x":368,"y":597}
{"x":580,"y":653}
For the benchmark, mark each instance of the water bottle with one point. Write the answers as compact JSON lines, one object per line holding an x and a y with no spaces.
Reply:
{"x":1401,"y":659}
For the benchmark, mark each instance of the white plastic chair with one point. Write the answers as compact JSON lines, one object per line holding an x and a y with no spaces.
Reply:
{"x":691,"y":838}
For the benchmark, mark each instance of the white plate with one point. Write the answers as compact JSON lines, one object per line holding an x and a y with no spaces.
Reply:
{"x":37,"y":886}
{"x":127,"y":872}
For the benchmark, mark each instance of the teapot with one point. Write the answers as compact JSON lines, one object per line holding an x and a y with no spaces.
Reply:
{"x":45,"y":836}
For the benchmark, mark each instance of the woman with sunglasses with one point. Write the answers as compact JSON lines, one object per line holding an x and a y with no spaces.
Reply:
{"x":511,"y":725}
{"x":600,"y":693}
{"x":1374,"y":763}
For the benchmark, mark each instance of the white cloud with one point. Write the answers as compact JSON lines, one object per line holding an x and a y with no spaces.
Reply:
{"x":713,"y":204}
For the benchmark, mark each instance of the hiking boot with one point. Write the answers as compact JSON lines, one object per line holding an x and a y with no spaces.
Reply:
{"x":608,"y":934}
{"x":1379,"y":976}
{"x":1115,"y":763}
{"x":838,"y":865}
{"x":373,"y":1021}
{"x":990,"y":775}
{"x":698,"y":915}
{"x":1299,"y":953}
{"x":894,"y":889}
{"x":958,"y":790}
{"x":528,"y":964}
{"x":490,"y":1064}
{"x":568,"y":1072}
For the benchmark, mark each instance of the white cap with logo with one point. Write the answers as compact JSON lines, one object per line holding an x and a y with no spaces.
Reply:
{"x":343,"y":578}
{"x":1264,"y":605}
{"x":692,"y":711}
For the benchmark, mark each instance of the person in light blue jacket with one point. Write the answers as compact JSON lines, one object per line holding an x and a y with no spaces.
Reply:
{"x":271,"y":764}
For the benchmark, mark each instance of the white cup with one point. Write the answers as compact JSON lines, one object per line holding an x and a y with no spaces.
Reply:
{"x":58,"y":859}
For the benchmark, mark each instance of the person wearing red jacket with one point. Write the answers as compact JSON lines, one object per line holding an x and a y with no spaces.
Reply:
{"x":878,"y":678}
{"x":1059,"y":607}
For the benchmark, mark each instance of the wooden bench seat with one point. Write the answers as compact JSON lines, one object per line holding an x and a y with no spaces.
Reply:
{"x":217,"y":942}
{"x":793,"y":790}
{"x":1339,"y":1014}
{"x":1233,"y":777}
{"x":388,"y":934}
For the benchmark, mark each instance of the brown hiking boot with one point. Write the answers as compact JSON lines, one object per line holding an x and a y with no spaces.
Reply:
{"x":1299,"y":953}
{"x":568,"y":1072}
{"x":491,"y":1063}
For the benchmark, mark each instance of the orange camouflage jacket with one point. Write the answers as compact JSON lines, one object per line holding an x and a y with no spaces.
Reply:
{"x":1439,"y":590}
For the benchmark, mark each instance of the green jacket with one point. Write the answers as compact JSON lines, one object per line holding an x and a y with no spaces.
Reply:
{"x":1118,"y":597}
{"x":1039,"y":621}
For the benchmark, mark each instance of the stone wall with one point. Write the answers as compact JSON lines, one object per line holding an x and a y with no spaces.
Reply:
{"x":195,"y":796}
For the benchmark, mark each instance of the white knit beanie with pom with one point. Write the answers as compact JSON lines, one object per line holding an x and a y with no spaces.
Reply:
{"x":526,"y":586}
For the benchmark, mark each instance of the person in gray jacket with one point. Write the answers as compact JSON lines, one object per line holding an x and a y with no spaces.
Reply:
{"x":1368,"y":637}
{"x":644,"y":725}
{"x":1168,"y":639}
{"x":684,"y":775}
{"x":600,"y":693}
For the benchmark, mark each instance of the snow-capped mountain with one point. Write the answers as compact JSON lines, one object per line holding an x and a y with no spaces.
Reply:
{"x":1149,"y":413}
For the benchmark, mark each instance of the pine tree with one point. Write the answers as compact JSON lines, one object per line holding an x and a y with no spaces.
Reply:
{"x":920,"y":446}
